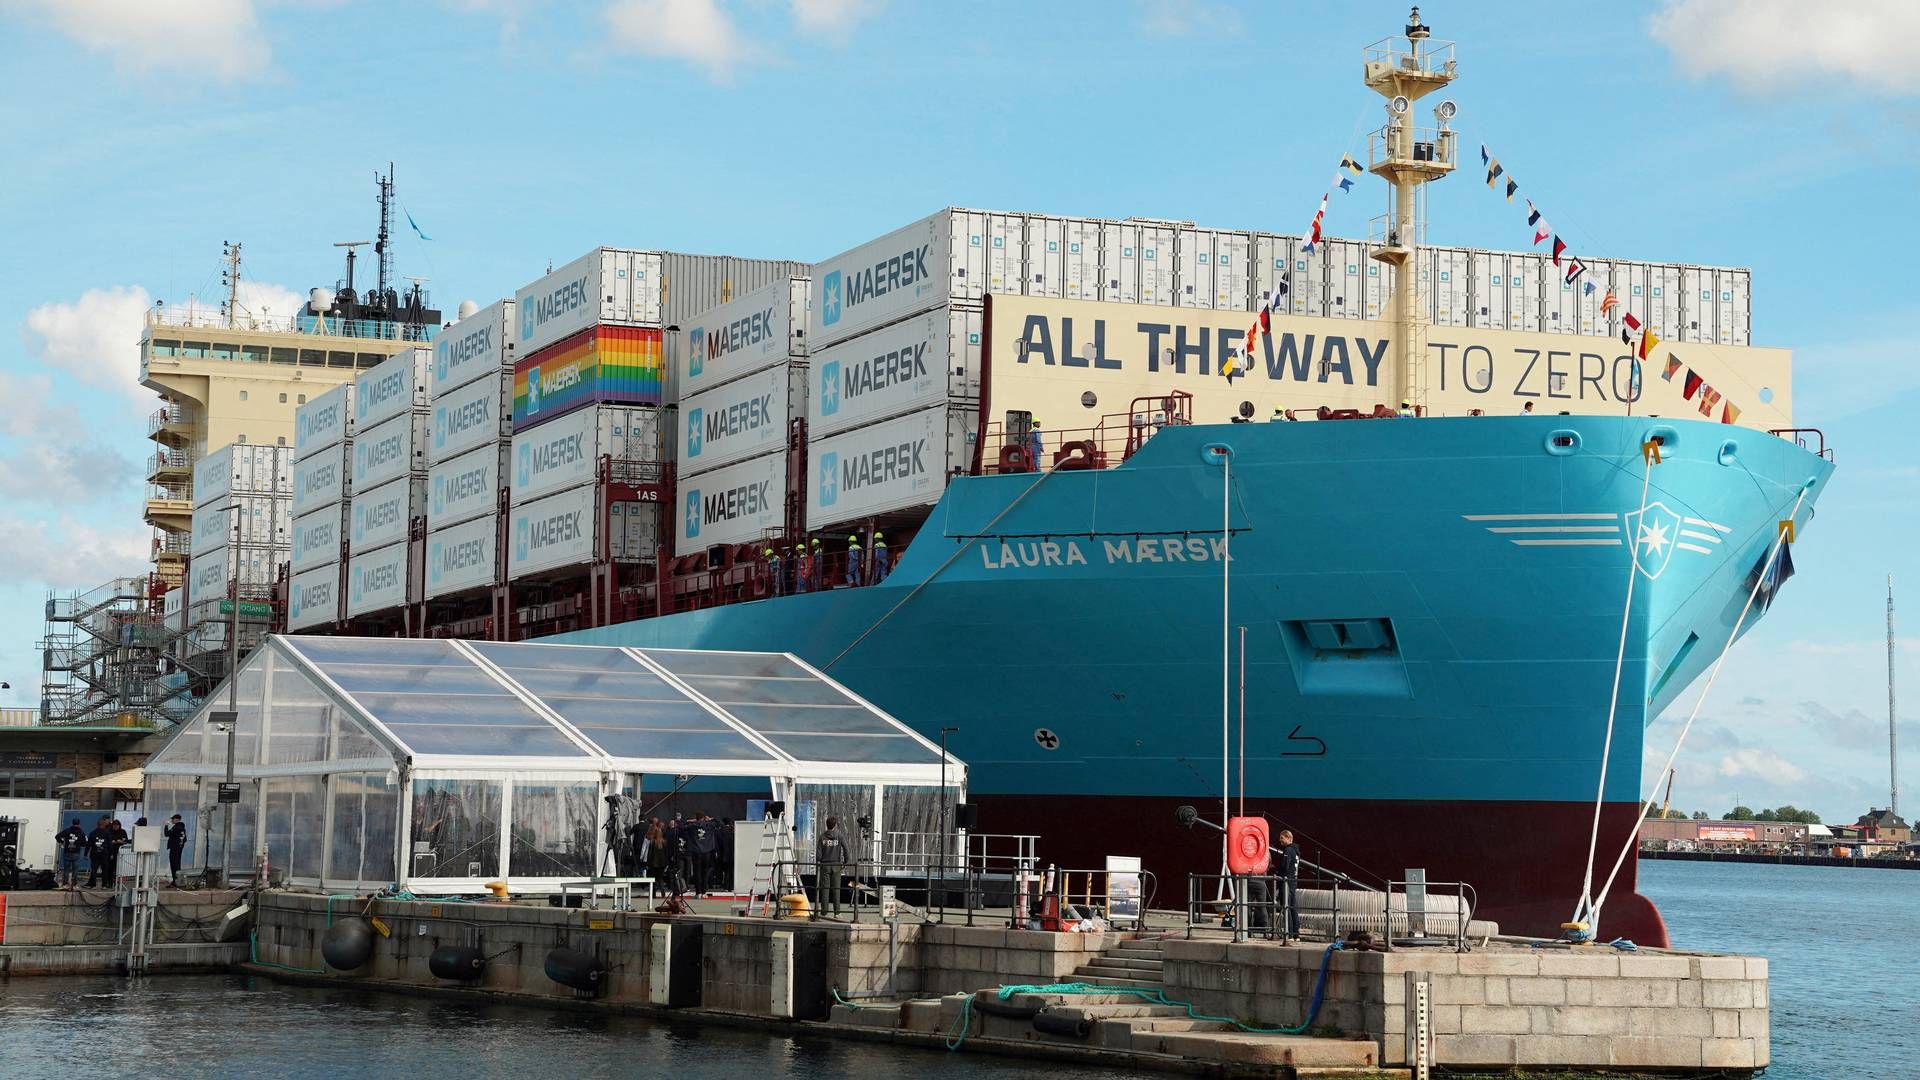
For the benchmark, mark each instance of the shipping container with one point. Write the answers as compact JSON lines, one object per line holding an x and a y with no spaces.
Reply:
{"x":243,"y":468}
{"x":313,"y":598}
{"x":469,"y":416}
{"x":1740,"y":314}
{"x":391,"y":387}
{"x":323,"y":478}
{"x":1531,"y":280}
{"x":172,"y":604}
{"x":209,"y":572}
{"x":732,"y":505}
{"x":390,"y":450}
{"x":1667,"y":292}
{"x":475,"y":346}
{"x":317,"y":537}
{"x":912,"y":364}
{"x":633,"y":530}
{"x":1451,"y":287}
{"x":761,"y":329}
{"x":600,"y":365}
{"x":257,"y":519}
{"x":741,"y":419}
{"x":462,"y":556}
{"x":467,"y":486}
{"x":567,"y":452}
{"x":324,"y":421}
{"x":695,"y":284}
{"x":377,"y":580}
{"x":1273,"y":259}
{"x":553,"y":532}
{"x":381,"y":515}
{"x":893,"y":465}
{"x":1082,"y":269}
{"x":1312,"y":289}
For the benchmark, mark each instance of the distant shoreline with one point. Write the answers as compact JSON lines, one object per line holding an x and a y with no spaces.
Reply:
{"x":1874,"y":863}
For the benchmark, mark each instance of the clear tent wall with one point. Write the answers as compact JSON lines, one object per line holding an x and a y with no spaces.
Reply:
{"x":443,"y":765}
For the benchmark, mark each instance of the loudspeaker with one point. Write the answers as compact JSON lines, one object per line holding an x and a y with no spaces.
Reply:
{"x":966,"y":816}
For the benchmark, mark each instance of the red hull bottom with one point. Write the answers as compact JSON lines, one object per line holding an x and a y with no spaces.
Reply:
{"x":1524,"y":859}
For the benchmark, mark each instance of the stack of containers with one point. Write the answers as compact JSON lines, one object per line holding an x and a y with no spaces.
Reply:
{"x":389,"y":480}
{"x":893,"y":336}
{"x":743,"y":383}
{"x":242,"y":520}
{"x":588,"y":383}
{"x":471,"y":390}
{"x":323,"y":454}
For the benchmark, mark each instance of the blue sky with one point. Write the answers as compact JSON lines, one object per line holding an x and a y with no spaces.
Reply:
{"x":1774,"y":135}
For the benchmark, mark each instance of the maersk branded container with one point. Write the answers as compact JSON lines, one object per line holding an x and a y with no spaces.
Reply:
{"x":209,"y":571}
{"x":567,"y":452}
{"x":323,"y":421}
{"x":912,"y":364}
{"x":463,"y":556}
{"x":313,"y":598}
{"x":466,"y":487}
{"x":623,"y":287}
{"x":732,"y":505}
{"x":323,"y":478}
{"x":242,"y":468}
{"x":389,"y":450}
{"x":380,"y":515}
{"x":892,"y":465}
{"x":391,"y":387}
{"x":550,"y":533}
{"x":741,"y":419}
{"x":633,"y":530}
{"x":599,"y":365}
{"x":470,"y":416}
{"x":377,"y":580}
{"x":317,"y":537}
{"x":259,"y":521}
{"x":763,"y":328}
{"x":475,"y":346}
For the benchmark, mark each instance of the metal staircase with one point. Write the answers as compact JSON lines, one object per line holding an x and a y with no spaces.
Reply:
{"x":110,"y":660}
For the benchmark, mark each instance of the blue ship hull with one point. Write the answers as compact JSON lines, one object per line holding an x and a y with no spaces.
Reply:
{"x":1432,"y":611}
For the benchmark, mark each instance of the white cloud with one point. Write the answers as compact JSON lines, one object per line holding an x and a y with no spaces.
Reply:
{"x":261,"y":298}
{"x":700,"y":32}
{"x":1761,"y":765}
{"x":221,"y":38}
{"x":832,"y":18}
{"x":63,"y":467}
{"x":1180,"y":18}
{"x":67,"y":553}
{"x":95,"y":339}
{"x":1765,"y":46}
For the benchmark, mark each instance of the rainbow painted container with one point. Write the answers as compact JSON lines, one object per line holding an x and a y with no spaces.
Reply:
{"x":614,"y":364}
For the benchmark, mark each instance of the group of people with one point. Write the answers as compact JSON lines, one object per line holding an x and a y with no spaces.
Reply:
{"x":101,"y":848}
{"x":807,"y":566}
{"x":693,"y":854}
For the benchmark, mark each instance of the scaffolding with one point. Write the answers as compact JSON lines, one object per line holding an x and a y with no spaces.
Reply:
{"x":110,"y":659}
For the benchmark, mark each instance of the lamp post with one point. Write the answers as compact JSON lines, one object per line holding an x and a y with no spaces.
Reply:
{"x":233,"y":698}
{"x":944,"y":732}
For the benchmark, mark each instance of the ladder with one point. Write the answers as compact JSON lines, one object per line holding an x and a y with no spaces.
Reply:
{"x":773,"y":867}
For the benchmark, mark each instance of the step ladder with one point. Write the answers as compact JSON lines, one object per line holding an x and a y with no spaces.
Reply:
{"x":773,"y":867}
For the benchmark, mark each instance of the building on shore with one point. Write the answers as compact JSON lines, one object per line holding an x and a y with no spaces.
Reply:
{"x":1885,"y":826}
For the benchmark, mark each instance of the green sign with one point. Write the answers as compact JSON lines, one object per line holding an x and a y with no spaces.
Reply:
{"x":248,"y":609}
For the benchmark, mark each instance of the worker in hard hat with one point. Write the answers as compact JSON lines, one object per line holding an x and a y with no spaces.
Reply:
{"x":882,"y":558}
{"x":804,"y":577}
{"x":771,"y":570}
{"x":1035,"y":446}
{"x":854,"y":561}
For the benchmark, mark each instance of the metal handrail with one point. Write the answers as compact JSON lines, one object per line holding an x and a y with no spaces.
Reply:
{"x":197,"y":318}
{"x":1469,"y":903}
{"x":1799,"y":436}
{"x":1277,"y":904}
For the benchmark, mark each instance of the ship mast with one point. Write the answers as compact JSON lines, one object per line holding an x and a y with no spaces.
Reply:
{"x":1893,"y":744}
{"x":1403,"y":70}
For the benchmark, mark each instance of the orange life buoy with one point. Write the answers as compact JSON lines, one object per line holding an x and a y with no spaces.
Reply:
{"x":1247,"y":845}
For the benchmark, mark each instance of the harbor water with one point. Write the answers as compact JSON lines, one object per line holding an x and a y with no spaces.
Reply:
{"x":1844,"y":964}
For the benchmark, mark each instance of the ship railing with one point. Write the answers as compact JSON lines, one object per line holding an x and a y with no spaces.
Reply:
{"x":1400,"y":53}
{"x":203,"y":318}
{"x":1810,"y":439}
{"x":1008,"y":446}
{"x":1307,"y":907}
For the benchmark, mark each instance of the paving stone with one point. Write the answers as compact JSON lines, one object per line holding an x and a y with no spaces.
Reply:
{"x":1656,"y":1052}
{"x":1590,"y":965}
{"x":1722,"y":967}
{"x":1588,"y":1020}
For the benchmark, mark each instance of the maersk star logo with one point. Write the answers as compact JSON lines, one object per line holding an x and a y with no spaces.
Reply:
{"x":433,"y":563}
{"x":440,"y":361}
{"x":520,"y":541}
{"x":440,"y":428}
{"x":523,"y":470}
{"x":533,"y":389}
{"x":526,"y":321}
{"x":830,"y":298}
{"x":1654,"y":532}
{"x":830,"y":388}
{"x":439,"y":495}
{"x":694,"y":418}
{"x":696,"y":351}
{"x":829,"y":478}
{"x":693,"y":513}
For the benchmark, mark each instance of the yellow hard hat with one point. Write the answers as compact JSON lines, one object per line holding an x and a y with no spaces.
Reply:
{"x":877,"y":538}
{"x":854,"y":540}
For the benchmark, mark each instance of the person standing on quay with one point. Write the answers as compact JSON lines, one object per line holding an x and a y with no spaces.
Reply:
{"x":176,"y":834}
{"x":72,"y":842}
{"x":1286,"y":868}
{"x":99,"y":841}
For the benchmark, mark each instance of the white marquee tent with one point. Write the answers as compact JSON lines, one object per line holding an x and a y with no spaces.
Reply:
{"x":494,"y":760}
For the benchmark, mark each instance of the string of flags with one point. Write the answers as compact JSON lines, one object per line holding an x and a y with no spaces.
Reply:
{"x":1343,"y":176}
{"x":1641,"y":339}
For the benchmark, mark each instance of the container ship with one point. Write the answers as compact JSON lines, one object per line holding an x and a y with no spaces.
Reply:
{"x":1033,"y":485}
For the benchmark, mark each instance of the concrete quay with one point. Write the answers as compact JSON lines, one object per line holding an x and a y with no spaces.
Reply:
{"x":1164,"y":1000}
{"x":84,"y":932}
